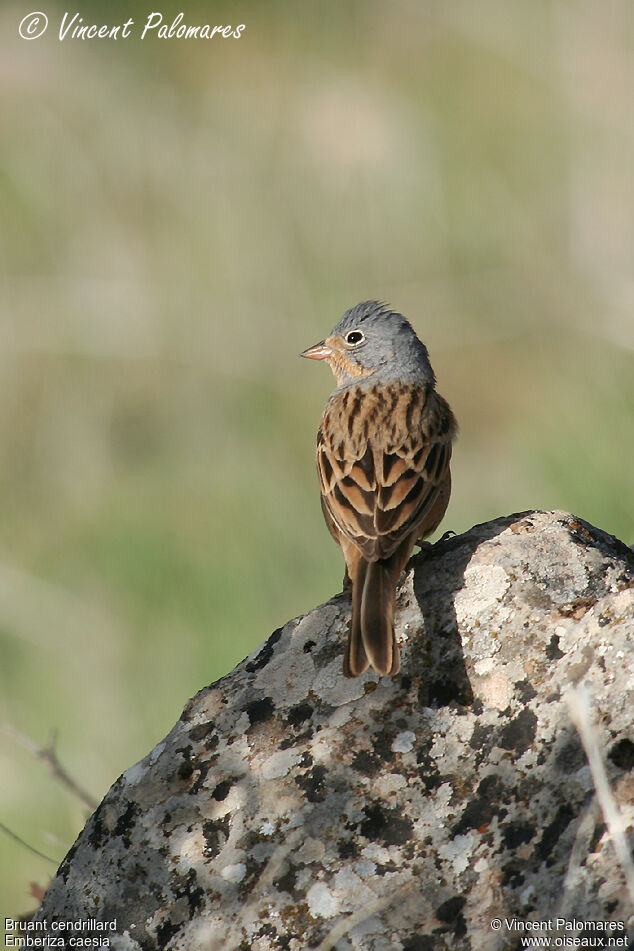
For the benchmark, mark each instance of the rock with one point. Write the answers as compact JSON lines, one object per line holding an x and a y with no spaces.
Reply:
{"x":290,"y":808}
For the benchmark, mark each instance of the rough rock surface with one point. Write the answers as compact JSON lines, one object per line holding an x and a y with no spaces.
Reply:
{"x":290,"y":808}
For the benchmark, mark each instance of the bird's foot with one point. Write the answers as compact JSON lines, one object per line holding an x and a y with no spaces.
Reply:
{"x":445,"y":537}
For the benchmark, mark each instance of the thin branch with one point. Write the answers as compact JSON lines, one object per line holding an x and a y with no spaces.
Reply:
{"x":361,"y":914}
{"x":578,"y":854}
{"x":16,"y":838}
{"x":49,"y":755}
{"x":578,"y":700}
{"x":265,"y":881}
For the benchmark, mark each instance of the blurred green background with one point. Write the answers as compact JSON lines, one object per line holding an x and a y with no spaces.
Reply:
{"x":179,"y":220}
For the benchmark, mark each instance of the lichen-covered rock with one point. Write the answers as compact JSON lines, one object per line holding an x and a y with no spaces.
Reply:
{"x":290,"y":808}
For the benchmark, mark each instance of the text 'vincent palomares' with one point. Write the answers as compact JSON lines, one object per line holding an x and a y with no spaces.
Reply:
{"x":73,"y":27}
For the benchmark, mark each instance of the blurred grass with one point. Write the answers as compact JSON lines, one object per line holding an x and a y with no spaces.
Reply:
{"x":180,"y":220}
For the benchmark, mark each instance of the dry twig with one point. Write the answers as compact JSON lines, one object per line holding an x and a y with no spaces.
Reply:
{"x":49,"y":755}
{"x":578,"y":700}
{"x":16,"y":838}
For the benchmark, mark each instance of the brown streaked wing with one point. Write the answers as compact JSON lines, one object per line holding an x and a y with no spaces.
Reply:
{"x":348,"y":488}
{"x":361,"y":500}
{"x":394,"y":465}
{"x":376,"y":491}
{"x":402,"y":512}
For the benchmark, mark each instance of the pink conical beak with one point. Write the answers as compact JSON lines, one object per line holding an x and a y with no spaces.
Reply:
{"x":319,"y":352}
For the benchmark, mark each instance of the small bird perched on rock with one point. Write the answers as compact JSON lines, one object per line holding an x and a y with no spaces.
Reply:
{"x":383,"y":452}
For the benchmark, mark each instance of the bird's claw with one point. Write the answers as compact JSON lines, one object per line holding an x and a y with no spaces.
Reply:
{"x":446,"y":537}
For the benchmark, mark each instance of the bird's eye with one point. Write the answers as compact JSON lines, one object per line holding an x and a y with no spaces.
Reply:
{"x":354,"y":337}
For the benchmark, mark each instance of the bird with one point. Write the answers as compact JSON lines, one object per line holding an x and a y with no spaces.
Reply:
{"x":384,"y":447}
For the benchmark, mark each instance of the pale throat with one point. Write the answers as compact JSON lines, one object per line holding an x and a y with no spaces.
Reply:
{"x":344,"y":368}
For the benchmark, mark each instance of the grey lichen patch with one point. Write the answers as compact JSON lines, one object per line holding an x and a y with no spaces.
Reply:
{"x":289,"y":804}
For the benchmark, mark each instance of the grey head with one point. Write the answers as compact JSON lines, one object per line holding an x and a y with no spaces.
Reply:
{"x":373,"y":343}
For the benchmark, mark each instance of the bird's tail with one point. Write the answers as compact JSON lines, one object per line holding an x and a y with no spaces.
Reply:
{"x":372,"y":640}
{"x":377,"y":615}
{"x":356,"y":661}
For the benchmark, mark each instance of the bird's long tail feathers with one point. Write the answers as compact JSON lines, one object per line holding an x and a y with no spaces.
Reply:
{"x":355,"y":661}
{"x":377,"y":615}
